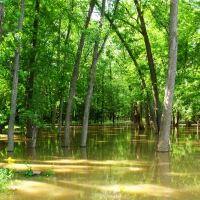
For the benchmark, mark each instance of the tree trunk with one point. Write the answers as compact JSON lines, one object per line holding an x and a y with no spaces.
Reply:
{"x":96,"y":56}
{"x":60,"y":116}
{"x":139,"y":116}
{"x":34,"y":137}
{"x":30,"y":78}
{"x":13,"y":106}
{"x":151,"y":66}
{"x":176,"y":118}
{"x":54,"y":116}
{"x":188,"y":123}
{"x":147,"y":121}
{"x":102,"y":97}
{"x":60,"y":123}
{"x":1,"y":128}
{"x":66,"y":141}
{"x":164,"y":137}
{"x":29,"y":128}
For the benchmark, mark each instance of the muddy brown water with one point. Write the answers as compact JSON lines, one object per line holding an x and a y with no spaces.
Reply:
{"x":119,"y":162}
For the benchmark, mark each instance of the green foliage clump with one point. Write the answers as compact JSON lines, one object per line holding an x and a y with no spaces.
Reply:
{"x":5,"y":177}
{"x":49,"y":172}
{"x":28,"y":172}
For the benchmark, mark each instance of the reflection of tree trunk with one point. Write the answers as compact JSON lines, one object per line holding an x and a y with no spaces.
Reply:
{"x":132,"y":141}
{"x":10,"y":154}
{"x":66,"y":152}
{"x":163,"y":169}
{"x":34,"y":135}
{"x":175,"y":135}
{"x":31,"y":152}
{"x":83,"y":153}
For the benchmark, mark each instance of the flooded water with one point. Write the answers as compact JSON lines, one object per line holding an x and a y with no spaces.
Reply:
{"x":119,"y":162}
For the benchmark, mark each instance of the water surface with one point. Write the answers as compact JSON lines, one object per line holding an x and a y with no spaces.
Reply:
{"x":119,"y":162}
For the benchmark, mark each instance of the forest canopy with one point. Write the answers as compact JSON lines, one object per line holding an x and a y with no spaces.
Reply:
{"x":130,"y":76}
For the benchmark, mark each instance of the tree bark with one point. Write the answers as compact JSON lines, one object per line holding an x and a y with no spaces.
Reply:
{"x":34,"y":135}
{"x":147,"y":121}
{"x":139,"y":116}
{"x":66,"y":141}
{"x":96,"y":55}
{"x":60,"y":116}
{"x":30,"y":78}
{"x":164,"y":137}
{"x":62,"y":76}
{"x":151,"y":66}
{"x":54,"y":116}
{"x":13,"y":106}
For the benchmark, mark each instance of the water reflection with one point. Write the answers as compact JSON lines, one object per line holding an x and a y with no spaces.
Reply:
{"x":119,"y":162}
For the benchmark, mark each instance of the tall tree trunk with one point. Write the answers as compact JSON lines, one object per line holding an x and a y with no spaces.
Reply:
{"x":62,"y":74}
{"x":13,"y":106}
{"x":1,"y":17}
{"x":164,"y":137}
{"x":58,"y":70}
{"x":30,"y":78}
{"x":96,"y":55}
{"x":151,"y":66}
{"x":66,"y":141}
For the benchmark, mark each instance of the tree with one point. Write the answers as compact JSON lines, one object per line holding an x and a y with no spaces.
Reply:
{"x":30,"y":78}
{"x":151,"y":66}
{"x":66,"y":141}
{"x":163,"y":142}
{"x":96,"y":54}
{"x":88,"y":99}
{"x":15,"y":82}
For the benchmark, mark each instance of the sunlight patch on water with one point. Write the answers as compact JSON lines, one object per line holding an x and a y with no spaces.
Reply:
{"x":38,"y":190}
{"x":142,"y":189}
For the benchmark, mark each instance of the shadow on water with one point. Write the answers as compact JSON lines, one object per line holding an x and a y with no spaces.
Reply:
{"x":119,"y":162}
